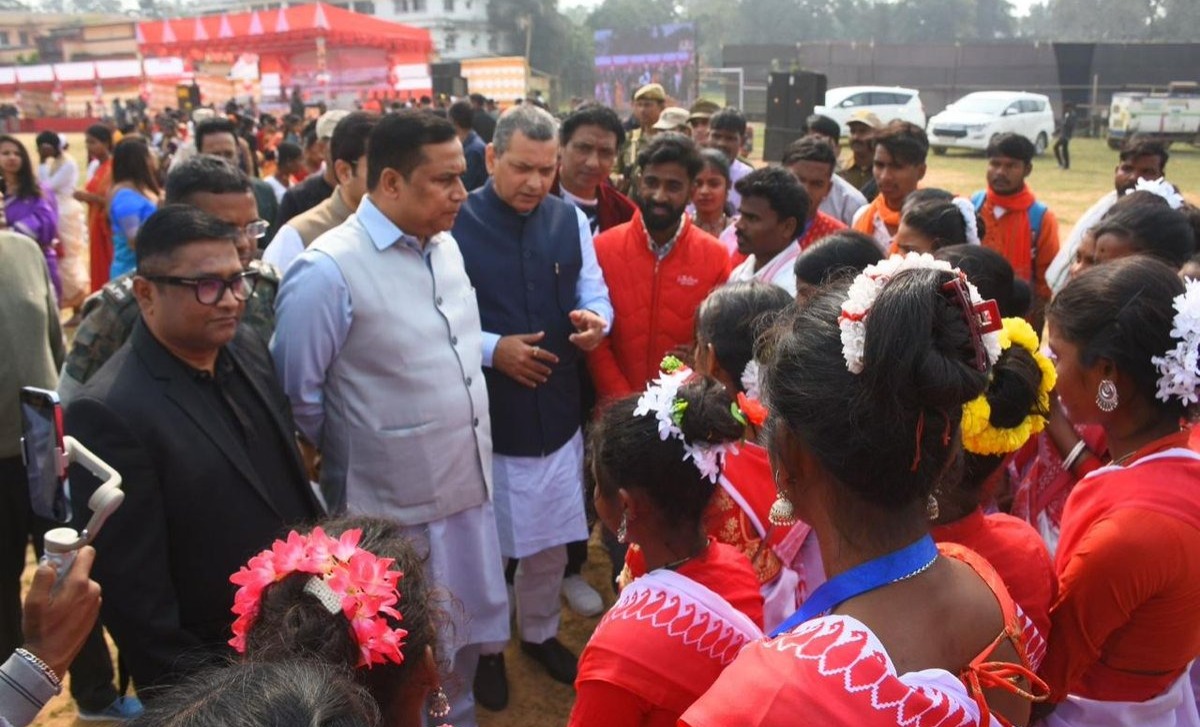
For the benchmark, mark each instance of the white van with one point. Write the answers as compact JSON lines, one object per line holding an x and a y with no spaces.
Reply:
{"x":972,"y":121}
{"x":886,"y":102}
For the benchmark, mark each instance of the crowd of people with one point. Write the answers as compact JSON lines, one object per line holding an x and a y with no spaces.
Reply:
{"x":859,"y":450}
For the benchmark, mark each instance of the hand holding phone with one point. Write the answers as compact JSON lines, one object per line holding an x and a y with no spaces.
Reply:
{"x":57,"y":619}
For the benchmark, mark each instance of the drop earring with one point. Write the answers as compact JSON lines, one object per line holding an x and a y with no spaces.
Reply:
{"x":931,"y":507}
{"x":1107,"y":398}
{"x":439,"y":704}
{"x":782,"y":513}
{"x":623,"y":529}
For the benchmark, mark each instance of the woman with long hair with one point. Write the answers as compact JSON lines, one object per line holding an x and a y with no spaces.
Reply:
{"x":132,"y":199}
{"x":1046,"y":470}
{"x":1124,"y":338}
{"x":351,"y":593}
{"x":59,"y":173}
{"x":865,"y":385}
{"x":99,"y":142}
{"x":728,"y":324}
{"x":656,"y":459}
{"x":28,"y":208}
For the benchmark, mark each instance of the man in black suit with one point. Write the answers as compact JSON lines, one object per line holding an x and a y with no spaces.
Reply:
{"x":190,"y":413}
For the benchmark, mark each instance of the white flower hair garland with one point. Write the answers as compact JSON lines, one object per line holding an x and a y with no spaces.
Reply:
{"x":866,"y":289}
{"x":750,"y":379}
{"x":1162,"y":188}
{"x":1179,"y":370}
{"x":967,"y":210}
{"x":662,"y":398}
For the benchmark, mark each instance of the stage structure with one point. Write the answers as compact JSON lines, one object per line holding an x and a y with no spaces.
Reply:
{"x":332,"y":55}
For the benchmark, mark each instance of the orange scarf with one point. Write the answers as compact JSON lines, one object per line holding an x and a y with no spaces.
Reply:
{"x":877,"y":208}
{"x":1017,"y":245}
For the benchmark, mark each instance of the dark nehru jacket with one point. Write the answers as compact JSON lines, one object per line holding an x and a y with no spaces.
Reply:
{"x":525,"y":269}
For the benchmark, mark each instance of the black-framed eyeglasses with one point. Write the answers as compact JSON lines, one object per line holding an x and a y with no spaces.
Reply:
{"x":256,"y":229}
{"x":210,"y":290}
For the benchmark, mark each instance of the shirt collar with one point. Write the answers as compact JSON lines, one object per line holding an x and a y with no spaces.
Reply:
{"x":662,"y":251}
{"x":383,"y":232}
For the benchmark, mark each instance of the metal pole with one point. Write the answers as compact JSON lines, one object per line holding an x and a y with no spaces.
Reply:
{"x":1095,"y":115}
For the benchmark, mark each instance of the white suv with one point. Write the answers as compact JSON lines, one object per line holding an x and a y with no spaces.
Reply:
{"x":887,"y":102}
{"x":972,"y":121}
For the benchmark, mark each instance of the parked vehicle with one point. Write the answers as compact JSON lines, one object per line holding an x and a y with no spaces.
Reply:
{"x":1167,"y":117}
{"x":887,"y":102}
{"x":972,"y":121}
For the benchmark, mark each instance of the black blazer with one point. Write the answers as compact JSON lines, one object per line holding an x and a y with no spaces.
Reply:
{"x":195,"y":510}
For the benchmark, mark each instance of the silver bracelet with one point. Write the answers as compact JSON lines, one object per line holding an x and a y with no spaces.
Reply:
{"x":42,"y":666}
{"x":1074,"y":455}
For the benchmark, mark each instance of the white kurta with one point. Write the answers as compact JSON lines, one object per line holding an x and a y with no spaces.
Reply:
{"x":539,"y":500}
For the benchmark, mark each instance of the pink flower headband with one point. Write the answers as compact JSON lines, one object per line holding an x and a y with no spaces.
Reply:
{"x":345,"y":578}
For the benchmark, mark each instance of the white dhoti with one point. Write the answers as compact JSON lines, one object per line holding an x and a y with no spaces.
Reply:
{"x":539,"y":509}
{"x":462,"y":554}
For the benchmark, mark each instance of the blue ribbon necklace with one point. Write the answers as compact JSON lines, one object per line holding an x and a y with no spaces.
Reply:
{"x":896,"y":566}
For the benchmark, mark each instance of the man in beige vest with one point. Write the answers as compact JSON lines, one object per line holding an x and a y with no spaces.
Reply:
{"x":391,"y":389}
{"x":348,"y":152}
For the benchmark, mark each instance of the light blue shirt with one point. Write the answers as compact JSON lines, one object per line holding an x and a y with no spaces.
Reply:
{"x":313,"y":313}
{"x":591,"y":292}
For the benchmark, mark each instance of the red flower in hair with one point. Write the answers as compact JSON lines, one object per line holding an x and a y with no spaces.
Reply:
{"x":752,"y":409}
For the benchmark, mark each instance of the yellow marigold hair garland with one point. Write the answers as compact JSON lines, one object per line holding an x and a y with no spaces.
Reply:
{"x":979,"y":436}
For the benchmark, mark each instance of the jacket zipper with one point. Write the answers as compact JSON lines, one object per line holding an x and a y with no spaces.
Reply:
{"x":651,"y":364}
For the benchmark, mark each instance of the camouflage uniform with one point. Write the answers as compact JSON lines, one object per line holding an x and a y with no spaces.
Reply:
{"x":109,"y":315}
{"x":627,"y":165}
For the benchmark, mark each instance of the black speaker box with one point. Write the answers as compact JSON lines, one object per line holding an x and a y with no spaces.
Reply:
{"x":777,"y":139}
{"x":792,"y":96}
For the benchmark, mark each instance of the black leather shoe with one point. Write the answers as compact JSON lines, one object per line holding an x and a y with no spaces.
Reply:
{"x":556,"y":658}
{"x":491,"y":682}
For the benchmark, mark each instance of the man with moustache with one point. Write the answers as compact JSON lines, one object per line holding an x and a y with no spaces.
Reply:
{"x":659,"y":268}
{"x":379,"y":347}
{"x":543,"y":304}
{"x":190,"y":413}
{"x":770,"y":222}
{"x":590,"y":137}
{"x":648,"y":104}
{"x":859,"y":171}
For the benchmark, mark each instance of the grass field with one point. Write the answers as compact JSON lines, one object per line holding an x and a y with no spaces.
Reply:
{"x":1068,"y":193}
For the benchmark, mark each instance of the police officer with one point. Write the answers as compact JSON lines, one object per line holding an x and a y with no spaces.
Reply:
{"x":648,"y":104}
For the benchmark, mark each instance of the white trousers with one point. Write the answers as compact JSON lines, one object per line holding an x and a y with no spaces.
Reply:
{"x":537,"y":586}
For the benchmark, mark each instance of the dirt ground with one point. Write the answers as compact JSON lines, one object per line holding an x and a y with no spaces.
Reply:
{"x":535,"y":700}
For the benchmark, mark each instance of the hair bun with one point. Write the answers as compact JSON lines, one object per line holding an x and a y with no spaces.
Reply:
{"x":707,"y":418}
{"x":919,"y":346}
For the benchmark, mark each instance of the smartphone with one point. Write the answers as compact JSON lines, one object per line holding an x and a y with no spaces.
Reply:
{"x":44,"y":453}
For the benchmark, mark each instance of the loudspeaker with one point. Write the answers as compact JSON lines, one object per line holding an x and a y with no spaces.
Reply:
{"x":792,"y":96}
{"x":455,"y":86}
{"x":447,"y":69}
{"x":777,"y":140}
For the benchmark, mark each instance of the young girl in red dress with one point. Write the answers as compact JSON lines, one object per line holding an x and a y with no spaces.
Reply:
{"x":865,"y":386}
{"x":656,"y":459}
